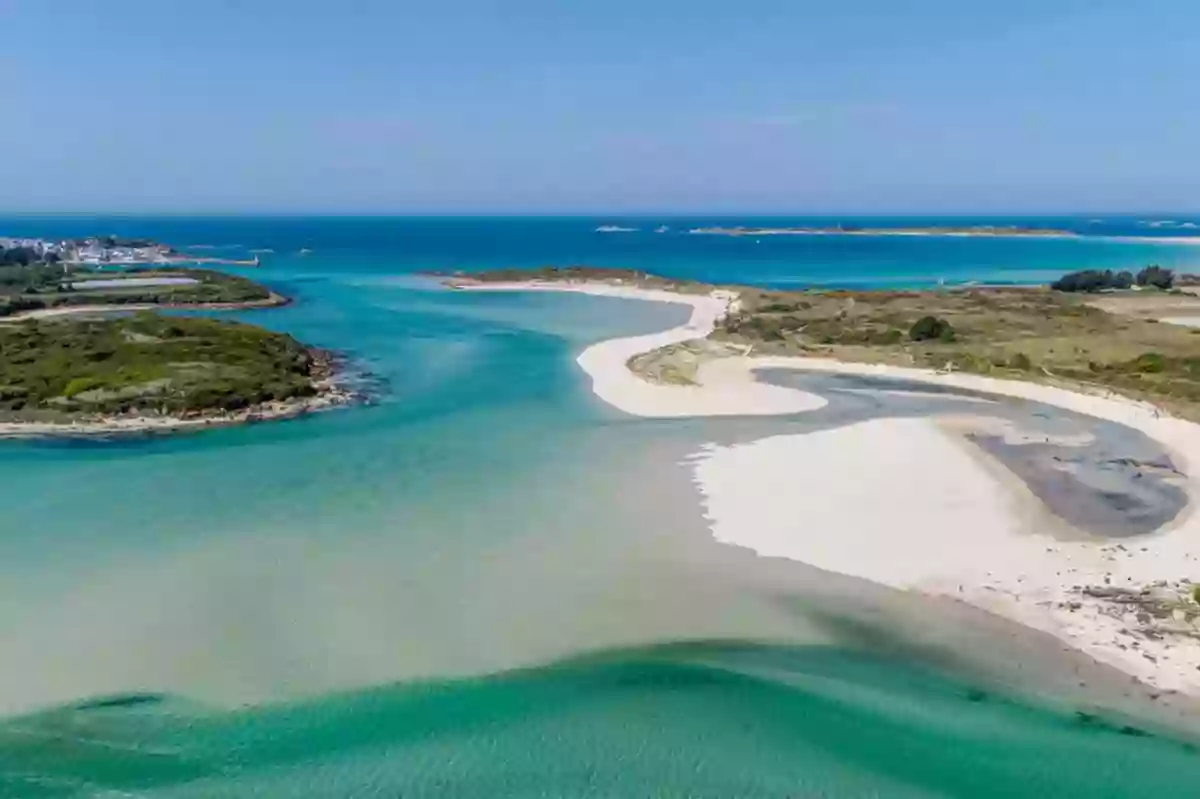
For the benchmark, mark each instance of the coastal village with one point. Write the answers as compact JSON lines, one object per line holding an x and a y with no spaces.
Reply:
{"x":98,"y":252}
{"x":94,"y":251}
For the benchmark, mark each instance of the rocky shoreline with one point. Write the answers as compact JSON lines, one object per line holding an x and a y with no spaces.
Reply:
{"x":329,"y":382}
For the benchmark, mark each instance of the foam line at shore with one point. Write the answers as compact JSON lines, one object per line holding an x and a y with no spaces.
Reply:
{"x":937,"y":519}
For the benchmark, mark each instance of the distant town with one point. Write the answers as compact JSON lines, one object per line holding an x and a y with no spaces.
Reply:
{"x":92,"y":251}
{"x":99,"y":251}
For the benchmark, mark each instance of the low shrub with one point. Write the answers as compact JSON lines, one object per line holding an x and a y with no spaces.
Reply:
{"x":1090,"y":280}
{"x":79,"y":385}
{"x":1149,"y":363}
{"x":928,"y":328}
{"x":1155,"y":276}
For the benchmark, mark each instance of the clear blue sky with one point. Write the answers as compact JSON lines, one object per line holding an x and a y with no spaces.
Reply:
{"x":574,"y":105}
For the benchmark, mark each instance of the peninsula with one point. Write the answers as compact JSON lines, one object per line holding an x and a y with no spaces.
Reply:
{"x":1040,"y":461}
{"x":82,"y":353}
{"x":147,"y":372}
{"x":1080,"y":341}
{"x":42,"y":290}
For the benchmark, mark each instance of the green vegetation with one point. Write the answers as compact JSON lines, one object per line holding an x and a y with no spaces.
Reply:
{"x":1020,"y":361}
{"x":1092,"y":280}
{"x":24,"y":256}
{"x":1196,"y":594}
{"x":57,"y":369}
{"x":25,"y":288}
{"x":928,"y":328}
{"x":1016,"y":333}
{"x":1157,"y":277}
{"x":1005,"y":332}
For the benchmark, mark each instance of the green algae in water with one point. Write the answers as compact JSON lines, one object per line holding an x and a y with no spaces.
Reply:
{"x":685,"y":720}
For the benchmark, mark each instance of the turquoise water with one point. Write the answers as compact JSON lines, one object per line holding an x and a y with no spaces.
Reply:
{"x":312,"y":608}
{"x":695,"y":720}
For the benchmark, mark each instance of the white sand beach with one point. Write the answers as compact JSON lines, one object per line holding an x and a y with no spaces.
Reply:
{"x":905,"y":503}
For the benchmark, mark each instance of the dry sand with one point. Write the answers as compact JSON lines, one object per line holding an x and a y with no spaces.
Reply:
{"x":904,"y":503}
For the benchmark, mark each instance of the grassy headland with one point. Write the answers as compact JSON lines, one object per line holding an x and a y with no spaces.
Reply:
{"x":41,"y":287}
{"x":65,"y":360}
{"x":66,"y":369}
{"x":1018,"y":333}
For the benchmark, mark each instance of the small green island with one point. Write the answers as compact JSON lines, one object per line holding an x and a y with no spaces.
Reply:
{"x":84,"y":351}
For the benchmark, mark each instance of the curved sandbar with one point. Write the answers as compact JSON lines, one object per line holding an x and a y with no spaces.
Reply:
{"x":900,"y":502}
{"x":735,"y":393}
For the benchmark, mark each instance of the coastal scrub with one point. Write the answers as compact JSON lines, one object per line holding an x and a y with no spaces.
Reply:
{"x":63,"y":369}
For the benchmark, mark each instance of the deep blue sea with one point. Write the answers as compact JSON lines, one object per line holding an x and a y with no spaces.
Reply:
{"x":487,"y":583}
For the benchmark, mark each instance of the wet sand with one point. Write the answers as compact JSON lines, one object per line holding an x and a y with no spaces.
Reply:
{"x":1101,"y":478}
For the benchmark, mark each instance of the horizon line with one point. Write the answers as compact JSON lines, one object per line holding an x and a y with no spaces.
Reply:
{"x":589,"y":214}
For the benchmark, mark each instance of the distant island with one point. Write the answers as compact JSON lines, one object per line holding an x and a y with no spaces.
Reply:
{"x":998,"y":231}
{"x":82,"y":351}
